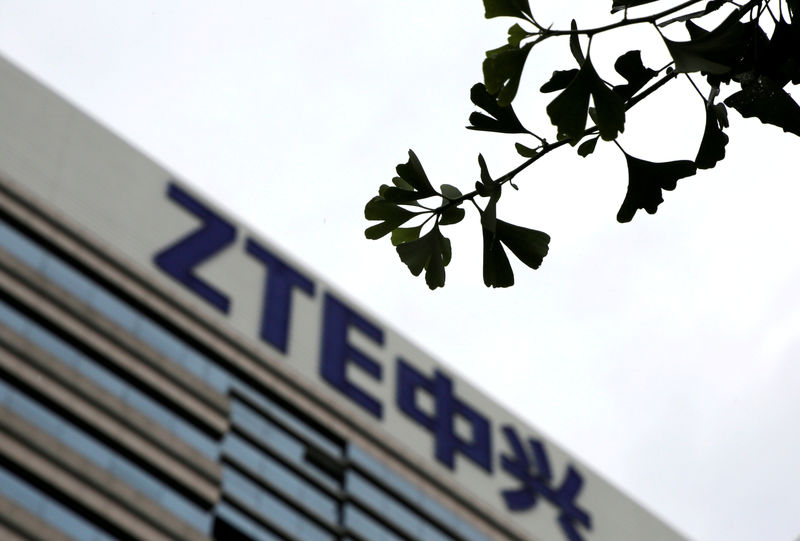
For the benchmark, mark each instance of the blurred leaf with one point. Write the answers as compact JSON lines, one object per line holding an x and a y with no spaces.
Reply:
{"x":588,"y":146}
{"x":400,"y":183}
{"x":431,"y":252}
{"x":496,"y":268}
{"x":486,"y":178}
{"x":712,"y":6}
{"x":716,"y":52}
{"x":569,"y":109}
{"x":450,"y":192}
{"x":619,"y":5}
{"x":405,"y":234}
{"x":502,"y":70}
{"x":609,"y":108}
{"x":452,"y":215}
{"x":529,"y":245}
{"x":712,"y":147}
{"x":524,"y":151}
{"x":398,"y":195}
{"x":721,"y":114}
{"x":559,"y":80}
{"x":516,"y":34}
{"x":392,"y":217}
{"x":414,"y":175}
{"x":575,"y":44}
{"x":489,"y":214}
{"x":630,"y":66}
{"x":507,"y":8}
{"x":781,"y":62}
{"x":502,"y":119}
{"x":762,"y":98}
{"x":645,"y":182}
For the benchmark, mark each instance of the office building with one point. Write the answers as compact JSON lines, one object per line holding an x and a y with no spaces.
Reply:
{"x":168,"y":374}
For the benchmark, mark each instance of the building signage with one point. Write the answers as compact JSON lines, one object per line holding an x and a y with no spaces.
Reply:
{"x":527,"y":464}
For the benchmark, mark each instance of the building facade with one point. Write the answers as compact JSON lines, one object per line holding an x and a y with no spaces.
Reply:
{"x":166,"y":373}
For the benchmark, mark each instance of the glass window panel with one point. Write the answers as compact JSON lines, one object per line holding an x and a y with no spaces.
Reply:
{"x":427,"y":504}
{"x":276,"y":473}
{"x":275,"y":439}
{"x":194,"y":362}
{"x":85,"y":445}
{"x":113,"y":308}
{"x":112,"y":383}
{"x":291,"y":420}
{"x":218,"y":378}
{"x":389,"y":508}
{"x":23,"y":249}
{"x":244,"y":523}
{"x":149,"y":407}
{"x":48,"y":509}
{"x":12,"y":319}
{"x":53,"y":345}
{"x":161,"y":340}
{"x":196,"y":438}
{"x":132,"y":475}
{"x":358,"y":521}
{"x":272,"y":508}
{"x":187,"y":512}
{"x":101,"y":455}
{"x":266,"y":432}
{"x":66,"y":521}
{"x":20,"y":492}
{"x":67,"y":278}
{"x":34,"y":413}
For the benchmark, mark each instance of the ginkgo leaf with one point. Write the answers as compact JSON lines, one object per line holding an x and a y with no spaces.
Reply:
{"x":716,"y":52}
{"x":712,"y":147}
{"x":450,"y":192}
{"x":502,"y":70}
{"x":781,"y":63}
{"x":391,"y":215}
{"x":405,"y":234}
{"x":413,"y":174}
{"x":507,"y":8}
{"x":764,"y":99}
{"x":516,"y":34}
{"x":569,"y":109}
{"x":431,"y":252}
{"x":497,"y":270}
{"x":645,"y":182}
{"x":525,"y":152}
{"x":502,"y":119}
{"x":559,"y":80}
{"x":575,"y":44}
{"x":452,"y":215}
{"x":588,"y":146}
{"x":529,"y":245}
{"x":630,"y":66}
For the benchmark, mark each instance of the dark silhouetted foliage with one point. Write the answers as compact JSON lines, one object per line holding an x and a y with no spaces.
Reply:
{"x":752,"y":55}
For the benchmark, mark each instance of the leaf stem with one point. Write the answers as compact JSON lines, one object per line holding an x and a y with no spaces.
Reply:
{"x":624,"y":22}
{"x":549,"y":147}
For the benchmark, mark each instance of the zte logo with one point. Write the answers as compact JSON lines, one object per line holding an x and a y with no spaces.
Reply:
{"x":526,"y":461}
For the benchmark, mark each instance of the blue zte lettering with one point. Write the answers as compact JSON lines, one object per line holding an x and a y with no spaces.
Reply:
{"x":442,"y":422}
{"x":535,"y":477}
{"x":337,"y":352}
{"x":180,"y":259}
{"x":277,"y":306}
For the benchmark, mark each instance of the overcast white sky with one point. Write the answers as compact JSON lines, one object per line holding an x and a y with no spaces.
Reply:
{"x":664,"y":352}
